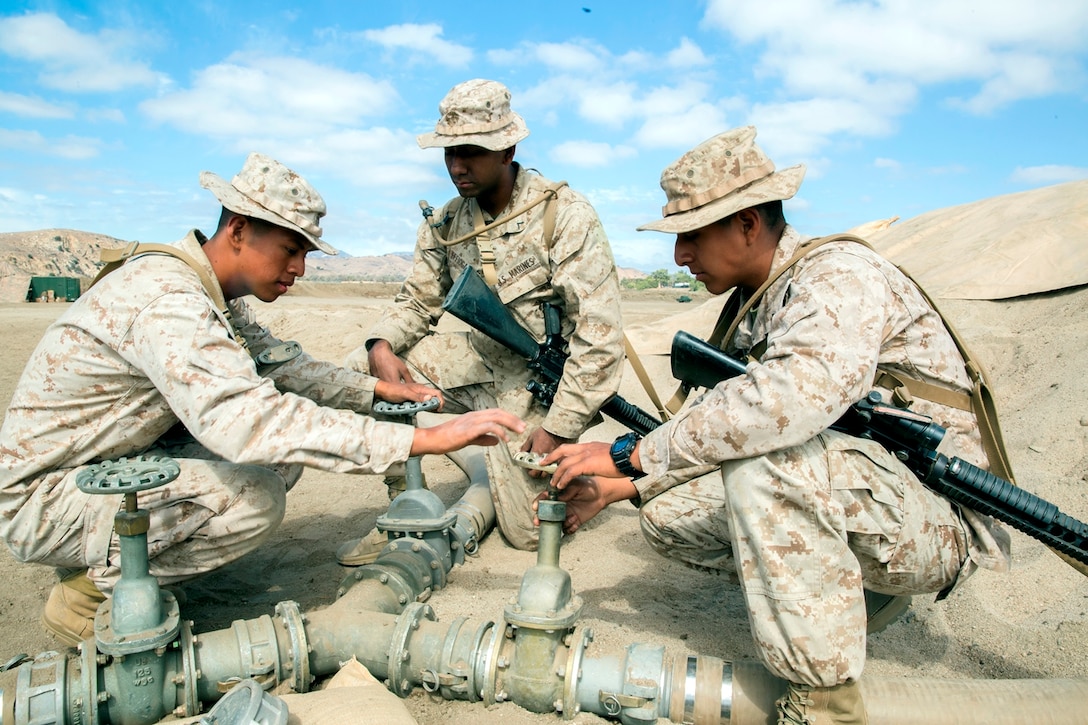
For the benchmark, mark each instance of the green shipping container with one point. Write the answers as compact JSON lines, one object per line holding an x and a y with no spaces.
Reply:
{"x":63,"y":288}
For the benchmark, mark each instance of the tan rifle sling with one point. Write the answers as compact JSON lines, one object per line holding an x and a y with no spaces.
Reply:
{"x":482,"y":231}
{"x":114,"y":258}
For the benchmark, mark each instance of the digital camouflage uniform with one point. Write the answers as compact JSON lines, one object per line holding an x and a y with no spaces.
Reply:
{"x":144,"y":350}
{"x":574,"y":270}
{"x":802,"y":515}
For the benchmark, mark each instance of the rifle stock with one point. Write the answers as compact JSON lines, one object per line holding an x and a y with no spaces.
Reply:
{"x":473,"y":302}
{"x":698,"y":364}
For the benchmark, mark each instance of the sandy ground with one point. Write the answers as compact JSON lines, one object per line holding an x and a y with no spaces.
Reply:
{"x":1032,"y":623}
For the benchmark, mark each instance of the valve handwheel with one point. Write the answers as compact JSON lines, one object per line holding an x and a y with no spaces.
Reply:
{"x":128,"y":475}
{"x":384,"y":407}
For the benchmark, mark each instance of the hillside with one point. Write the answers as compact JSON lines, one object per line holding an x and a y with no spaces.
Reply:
{"x":73,"y":253}
{"x":53,"y":252}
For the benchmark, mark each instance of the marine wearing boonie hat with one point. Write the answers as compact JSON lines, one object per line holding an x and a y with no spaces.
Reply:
{"x":719,"y":177}
{"x":476,"y":113}
{"x":268,"y":190}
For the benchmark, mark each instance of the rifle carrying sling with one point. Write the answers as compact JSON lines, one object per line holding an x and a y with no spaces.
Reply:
{"x":979,"y":401}
{"x":482,"y":231}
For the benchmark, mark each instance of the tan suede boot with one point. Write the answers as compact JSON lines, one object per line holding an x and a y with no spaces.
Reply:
{"x":806,"y":705}
{"x":69,"y":612}
{"x":358,"y":552}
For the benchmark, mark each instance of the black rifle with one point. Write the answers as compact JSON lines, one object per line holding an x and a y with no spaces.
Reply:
{"x":472,"y":301}
{"x":913,"y":439}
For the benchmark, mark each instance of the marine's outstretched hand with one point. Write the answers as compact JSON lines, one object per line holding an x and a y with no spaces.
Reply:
{"x":477,"y":428}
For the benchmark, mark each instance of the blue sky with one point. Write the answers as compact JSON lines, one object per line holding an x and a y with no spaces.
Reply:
{"x":109,"y":111}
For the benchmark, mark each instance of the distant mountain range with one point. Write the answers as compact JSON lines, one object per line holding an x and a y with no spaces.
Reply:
{"x":72,"y":253}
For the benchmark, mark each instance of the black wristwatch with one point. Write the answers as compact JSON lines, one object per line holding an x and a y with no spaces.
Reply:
{"x":621,"y":451}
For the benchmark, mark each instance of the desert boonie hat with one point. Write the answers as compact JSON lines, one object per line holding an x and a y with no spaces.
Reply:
{"x":719,"y":177}
{"x":268,"y":190}
{"x":476,"y":113}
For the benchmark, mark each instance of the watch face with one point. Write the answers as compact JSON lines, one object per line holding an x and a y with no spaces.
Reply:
{"x":621,"y":451}
{"x":623,"y":443}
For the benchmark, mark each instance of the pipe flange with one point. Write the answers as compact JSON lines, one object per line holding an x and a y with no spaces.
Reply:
{"x":433,"y":567}
{"x":389,"y":577}
{"x":579,"y":642}
{"x":89,"y":662}
{"x":295,"y":624}
{"x":399,"y":666}
{"x":189,"y":698}
{"x":493,"y":652}
{"x":564,"y":618}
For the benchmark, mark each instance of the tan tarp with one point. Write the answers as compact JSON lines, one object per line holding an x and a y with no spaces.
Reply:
{"x":14,"y":287}
{"x":1006,"y":246}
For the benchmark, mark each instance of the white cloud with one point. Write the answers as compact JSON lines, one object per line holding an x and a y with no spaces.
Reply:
{"x":611,"y":105}
{"x":73,"y":61}
{"x":581,"y":58}
{"x":30,"y":107}
{"x":686,"y":55}
{"x":424,"y":40}
{"x":608,"y":90}
{"x":1024,"y":77}
{"x":275,"y":96}
{"x":685,"y":127}
{"x":569,"y":57}
{"x":889,"y":164}
{"x":801,"y":128}
{"x":589,"y":154}
{"x":19,"y":210}
{"x":1048,"y":174}
{"x":111,"y":115}
{"x":637,"y":60}
{"x":375,"y":158}
{"x":68,"y":147}
{"x":876,"y":57}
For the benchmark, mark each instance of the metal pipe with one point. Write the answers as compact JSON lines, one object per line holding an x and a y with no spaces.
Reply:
{"x":461,"y":661}
{"x":536,"y":658}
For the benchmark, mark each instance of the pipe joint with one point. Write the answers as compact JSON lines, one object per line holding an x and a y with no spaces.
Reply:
{"x":401,"y":669}
{"x":258,"y":653}
{"x":294,"y":623}
{"x":458,"y":676}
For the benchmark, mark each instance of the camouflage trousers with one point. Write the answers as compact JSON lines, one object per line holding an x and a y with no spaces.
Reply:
{"x":213,"y":513}
{"x":803,"y":530}
{"x":448,"y":362}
